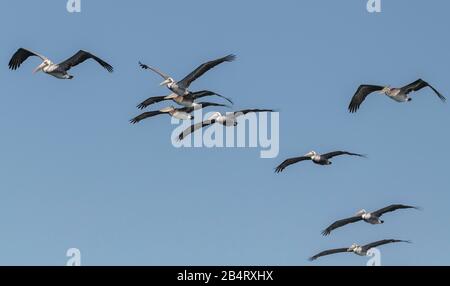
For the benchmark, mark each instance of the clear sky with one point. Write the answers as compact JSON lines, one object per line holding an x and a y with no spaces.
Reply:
{"x":75,"y":173}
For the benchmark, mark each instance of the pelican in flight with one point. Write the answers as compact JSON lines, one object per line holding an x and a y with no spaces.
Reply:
{"x":318,"y":159}
{"x":363,"y":215}
{"x":187,"y":100}
{"x":229,"y":119}
{"x":181,"y":87}
{"x":57,"y":70}
{"x":179,"y":113}
{"x":360,"y":250}
{"x":398,"y":94}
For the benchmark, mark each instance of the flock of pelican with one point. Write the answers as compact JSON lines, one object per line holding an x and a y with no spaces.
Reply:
{"x":188,"y":102}
{"x":181,"y":95}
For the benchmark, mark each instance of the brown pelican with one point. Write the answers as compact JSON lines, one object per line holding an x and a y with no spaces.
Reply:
{"x":187,"y":100}
{"x":398,"y":94}
{"x":229,"y":119}
{"x":179,"y":113}
{"x":181,"y":87}
{"x":360,"y":250}
{"x":372,"y":218}
{"x":315,"y":157}
{"x":56,"y":70}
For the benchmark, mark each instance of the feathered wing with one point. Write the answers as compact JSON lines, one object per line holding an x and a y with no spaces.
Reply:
{"x":418,"y":85}
{"x":341,"y":223}
{"x":150,"y":101}
{"x":81,"y":57}
{"x":208,"y":104}
{"x":382,"y":242}
{"x":391,"y":208}
{"x":145,"y":115}
{"x":202,"y":69}
{"x":20,"y":56}
{"x":160,"y":73}
{"x":245,"y":111}
{"x":328,"y":252}
{"x":339,"y":153}
{"x":204,"y":93}
{"x":194,"y":128}
{"x":289,"y":162}
{"x":361,"y":94}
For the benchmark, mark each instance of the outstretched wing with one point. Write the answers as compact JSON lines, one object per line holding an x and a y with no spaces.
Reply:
{"x":289,"y":162}
{"x":339,"y":153}
{"x":202,"y":69}
{"x":150,"y":101}
{"x":341,"y":223}
{"x":145,"y":115}
{"x":328,"y":252}
{"x":382,"y":242}
{"x":146,"y":67}
{"x":418,"y":85}
{"x":391,"y":208}
{"x":194,"y":128}
{"x":82,"y":56}
{"x":204,"y":93}
{"x":245,"y":111}
{"x":208,"y":104}
{"x":22,"y":55}
{"x":361,"y":94}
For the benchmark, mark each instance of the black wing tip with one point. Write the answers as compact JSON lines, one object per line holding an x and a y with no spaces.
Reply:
{"x":353,"y":108}
{"x":143,"y":66}
{"x":230,"y":58}
{"x":141,"y":106}
{"x":326,"y":232}
{"x":279,"y":169}
{"x":312,"y":258}
{"x":134,"y":121}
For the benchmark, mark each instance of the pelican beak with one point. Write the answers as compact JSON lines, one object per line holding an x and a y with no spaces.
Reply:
{"x":172,"y":96}
{"x":167,"y":109}
{"x":166,"y":82}
{"x":39,"y":68}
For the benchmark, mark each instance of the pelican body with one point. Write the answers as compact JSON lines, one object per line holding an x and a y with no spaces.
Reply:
{"x":368,"y":217}
{"x":227,"y":120}
{"x":360,"y":250}
{"x":186,"y":101}
{"x":316,"y":158}
{"x":401,"y":94}
{"x":60,"y":70}
{"x":181,"y":87}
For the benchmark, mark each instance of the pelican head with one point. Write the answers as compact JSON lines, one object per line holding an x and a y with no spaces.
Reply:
{"x":386,"y":89}
{"x":168,"y":82}
{"x":361,"y":212}
{"x":168,"y":109}
{"x":353,"y":247}
{"x":44,"y":64}
{"x":311,"y":154}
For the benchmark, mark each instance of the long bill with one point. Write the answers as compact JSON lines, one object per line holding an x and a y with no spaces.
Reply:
{"x":39,"y":68}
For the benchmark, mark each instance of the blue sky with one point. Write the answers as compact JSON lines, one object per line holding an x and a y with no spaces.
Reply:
{"x":75,"y":173}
